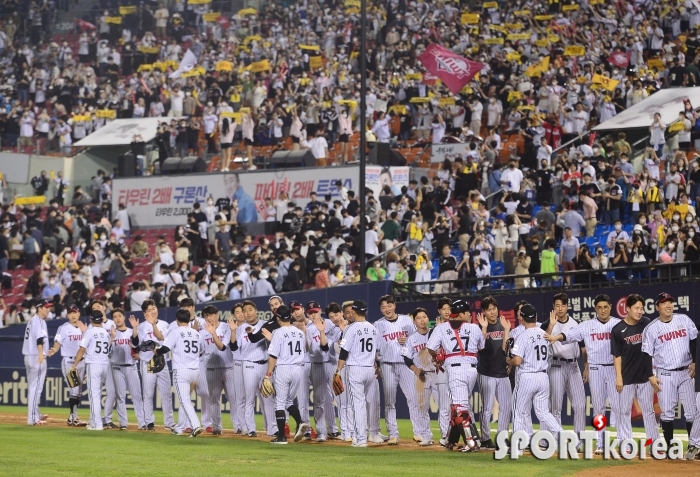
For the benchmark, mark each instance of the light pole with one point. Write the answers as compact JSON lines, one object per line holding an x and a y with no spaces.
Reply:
{"x":363,"y":130}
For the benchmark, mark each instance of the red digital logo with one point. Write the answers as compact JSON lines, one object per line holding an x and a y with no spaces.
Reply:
{"x":622,"y":308}
{"x":599,"y":422}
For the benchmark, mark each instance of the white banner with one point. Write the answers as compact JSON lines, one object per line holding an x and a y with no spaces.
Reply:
{"x":121,"y":132}
{"x":158,"y":201}
{"x":376,"y":177}
{"x":440,"y":152}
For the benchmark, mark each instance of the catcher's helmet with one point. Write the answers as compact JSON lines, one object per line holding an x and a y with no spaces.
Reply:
{"x":459,"y":306}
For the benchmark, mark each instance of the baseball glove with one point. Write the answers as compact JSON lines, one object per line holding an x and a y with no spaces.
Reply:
{"x":73,"y":378}
{"x":338,"y":386}
{"x":439,"y":361}
{"x":148,"y":346}
{"x":156,"y":364}
{"x":509,"y":347}
{"x":266,"y":388}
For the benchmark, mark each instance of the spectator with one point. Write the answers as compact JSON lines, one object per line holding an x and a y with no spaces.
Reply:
{"x":569,"y":252}
{"x":375,"y":272}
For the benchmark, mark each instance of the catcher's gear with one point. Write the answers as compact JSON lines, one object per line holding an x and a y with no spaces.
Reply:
{"x":156,"y":364}
{"x":73,"y":378}
{"x":462,"y":426}
{"x":148,"y":345}
{"x":509,"y":347}
{"x":439,"y":361}
{"x":266,"y":388}
{"x":338,"y":386}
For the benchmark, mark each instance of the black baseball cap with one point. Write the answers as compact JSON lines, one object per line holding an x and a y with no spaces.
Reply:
{"x":295,"y":305}
{"x":359,"y":305}
{"x":73,"y":309}
{"x":283,"y":313}
{"x":44,"y":304}
{"x":459,"y":306}
{"x":528,"y":312}
{"x":96,"y":316}
{"x":662,"y":297}
{"x":313,"y":306}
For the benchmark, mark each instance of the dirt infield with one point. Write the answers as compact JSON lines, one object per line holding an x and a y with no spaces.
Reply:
{"x":656,"y":468}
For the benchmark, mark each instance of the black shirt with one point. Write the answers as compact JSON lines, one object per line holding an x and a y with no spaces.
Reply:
{"x":492,"y":359}
{"x":447,"y":263}
{"x":626,"y":342}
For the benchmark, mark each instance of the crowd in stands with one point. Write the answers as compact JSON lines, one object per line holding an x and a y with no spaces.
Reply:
{"x":289,"y":75}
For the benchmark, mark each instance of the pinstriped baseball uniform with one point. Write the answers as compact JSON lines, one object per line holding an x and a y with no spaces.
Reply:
{"x":36,"y":373}
{"x":461,"y":346}
{"x":126,"y":377}
{"x":601,"y":371}
{"x":304,"y":389}
{"x":254,"y":369}
{"x":415,"y":352}
{"x":565,"y":375}
{"x":219,"y":366}
{"x":69,"y":337}
{"x":360,"y":341}
{"x":394,"y":371}
{"x":533,"y":386}
{"x":323,"y":365}
{"x":668,"y":343}
{"x":149,"y":381}
{"x":441,"y":395}
{"x":238,"y":406}
{"x":493,"y":381}
{"x":96,"y":342}
{"x":202,"y":388}
{"x":186,"y":347}
{"x":288,"y":345}
{"x":111,"y":398}
{"x":514,"y":333}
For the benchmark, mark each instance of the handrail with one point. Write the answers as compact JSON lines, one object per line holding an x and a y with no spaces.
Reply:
{"x":502,"y":189}
{"x":387,"y":252}
{"x":580,"y":136}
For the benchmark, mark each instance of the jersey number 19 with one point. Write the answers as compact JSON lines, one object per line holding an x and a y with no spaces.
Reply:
{"x":541,"y":351}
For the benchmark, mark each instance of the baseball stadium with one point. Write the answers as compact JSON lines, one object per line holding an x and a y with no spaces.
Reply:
{"x":349,"y":237}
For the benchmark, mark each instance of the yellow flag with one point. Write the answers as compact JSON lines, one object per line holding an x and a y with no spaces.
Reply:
{"x":542,"y":43}
{"x":490,"y":5}
{"x":518,"y":36}
{"x":521,"y":13}
{"x":513,"y":56}
{"x":259,"y":66}
{"x":211,"y":17}
{"x":161,"y":65}
{"x":657,"y":63}
{"x":543,"y":18}
{"x":106,"y":113}
{"x":526,"y":108}
{"x":224,"y":66}
{"x":247,"y":11}
{"x":513,"y":95}
{"x":538,"y":68}
{"x":570,"y":8}
{"x":315,"y":62}
{"x":152,"y":50}
{"x":574,"y":50}
{"x":607,"y":83}
{"x":447,"y":101}
{"x":469,"y":18}
{"x":514,"y":26}
{"x":552,"y":38}
{"x":310,"y":47}
{"x":493,"y":41}
{"x":414,"y":76}
{"x":81,"y":118}
{"x":145,"y":68}
{"x":198,"y":2}
{"x":419,"y":100}
{"x":353,"y":3}
{"x":398,"y":109}
{"x":114,"y":20}
{"x":127,"y":10}
{"x":675,"y":127}
{"x":665,"y":11}
{"x":498,"y":28}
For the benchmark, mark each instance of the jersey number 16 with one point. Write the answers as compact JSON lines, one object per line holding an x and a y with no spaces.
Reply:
{"x":366,"y":345}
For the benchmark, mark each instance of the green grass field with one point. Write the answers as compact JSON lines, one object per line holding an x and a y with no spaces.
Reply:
{"x":63,"y":451}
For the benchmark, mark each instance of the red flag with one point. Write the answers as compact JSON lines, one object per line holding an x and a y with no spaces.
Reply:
{"x":83,"y":25}
{"x":454,"y":70}
{"x":223,"y":21}
{"x":619,"y":59}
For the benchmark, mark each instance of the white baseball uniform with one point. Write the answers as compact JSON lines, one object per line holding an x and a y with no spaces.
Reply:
{"x":150,"y":380}
{"x":36,"y":372}
{"x":323,"y":365}
{"x":415,"y":353}
{"x":69,"y":337}
{"x":254,"y":369}
{"x":238,"y":406}
{"x":219,"y":372}
{"x":288,"y":345}
{"x":96,"y":342}
{"x":186,"y":347}
{"x":126,"y":377}
{"x":441,"y":395}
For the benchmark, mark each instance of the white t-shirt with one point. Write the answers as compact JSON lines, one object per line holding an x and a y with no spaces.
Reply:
{"x":318,"y":147}
{"x":371,"y":239}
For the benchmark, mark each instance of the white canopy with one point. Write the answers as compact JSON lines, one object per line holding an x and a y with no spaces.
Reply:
{"x":120,"y":132}
{"x":668,"y":102}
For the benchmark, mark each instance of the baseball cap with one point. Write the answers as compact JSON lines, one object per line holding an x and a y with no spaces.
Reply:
{"x":73,"y":309}
{"x":44,"y":304}
{"x":313,"y":306}
{"x":283,"y":313}
{"x":459,"y":306}
{"x":96,"y":315}
{"x":359,"y":305}
{"x":275,"y":296}
{"x":528,"y":312}
{"x":295,"y":305}
{"x":662,"y":297}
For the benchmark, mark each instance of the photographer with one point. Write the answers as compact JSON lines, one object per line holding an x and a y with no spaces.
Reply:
{"x":522,"y":269}
{"x":600,"y":263}
{"x":620,"y":260}
{"x":583,"y":262}
{"x":482,"y":269}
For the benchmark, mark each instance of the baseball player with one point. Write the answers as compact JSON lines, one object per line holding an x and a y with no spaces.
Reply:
{"x":669,"y":340}
{"x":111,"y":398}
{"x":284,"y":367}
{"x":441,"y":394}
{"x":598,"y":367}
{"x":493,"y":372}
{"x":253,"y":346}
{"x":238,"y":406}
{"x":124,"y":373}
{"x":335,"y":314}
{"x":186,"y":346}
{"x":155,"y":330}
{"x":358,"y":349}
{"x":300,"y":320}
{"x":35,"y":350}
{"x":202,"y":389}
{"x":632,"y":368}
{"x":393,"y":331}
{"x":564,"y":372}
{"x":530,"y":354}
{"x":68,"y":337}
{"x":461,"y":341}
{"x":419,"y":361}
{"x":373,"y":403}
{"x":510,"y":336}
{"x":275,"y":302}
{"x":321,"y":335}
{"x":95,"y":347}
{"x":218,"y":361}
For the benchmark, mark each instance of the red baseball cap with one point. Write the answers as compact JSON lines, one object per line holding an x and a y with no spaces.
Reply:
{"x":663,"y":297}
{"x":313,"y":307}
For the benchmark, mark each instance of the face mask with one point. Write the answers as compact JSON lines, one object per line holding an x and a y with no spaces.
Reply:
{"x":82,"y":246}
{"x":52,"y":282}
{"x":618,"y":227}
{"x":674,"y":228}
{"x":671,"y":246}
{"x":689,"y":218}
{"x":210,"y":202}
{"x":654,"y":246}
{"x":676,"y":217}
{"x":643,"y":221}
{"x":691,"y":233}
{"x":103,"y":237}
{"x":32,"y":310}
{"x":112,"y":256}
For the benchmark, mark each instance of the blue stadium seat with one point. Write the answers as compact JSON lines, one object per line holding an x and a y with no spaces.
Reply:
{"x":434,"y":271}
{"x":497,"y":268}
